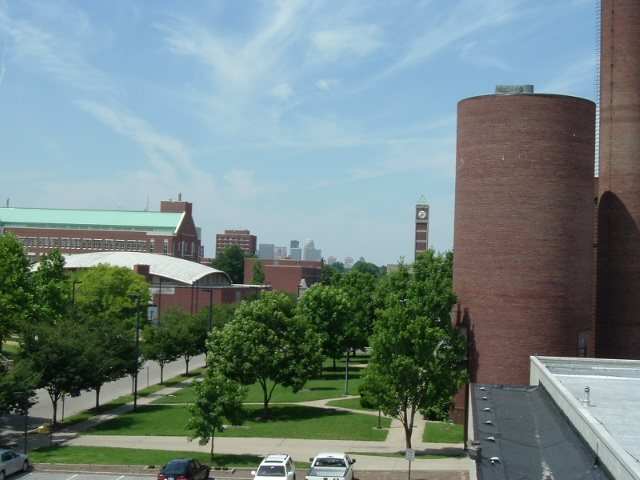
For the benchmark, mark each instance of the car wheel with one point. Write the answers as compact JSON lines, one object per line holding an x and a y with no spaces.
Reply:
{"x":25,"y":466}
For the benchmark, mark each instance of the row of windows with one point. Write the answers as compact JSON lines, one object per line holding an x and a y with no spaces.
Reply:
{"x":93,"y":244}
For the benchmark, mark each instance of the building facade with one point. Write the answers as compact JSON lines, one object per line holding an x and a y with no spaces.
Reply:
{"x":618,"y":280}
{"x":171,"y":231}
{"x":242,"y":238}
{"x":287,"y":275}
{"x":422,"y":227}
{"x":523,"y":238}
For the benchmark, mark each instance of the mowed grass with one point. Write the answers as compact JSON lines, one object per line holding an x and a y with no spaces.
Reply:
{"x":130,"y":456}
{"x":331,"y":384}
{"x":443,"y":432}
{"x":290,"y":421}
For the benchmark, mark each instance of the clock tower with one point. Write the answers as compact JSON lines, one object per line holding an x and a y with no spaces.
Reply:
{"x":422,"y":227}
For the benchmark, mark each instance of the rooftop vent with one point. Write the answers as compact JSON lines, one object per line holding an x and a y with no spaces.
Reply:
{"x":512,"y":89}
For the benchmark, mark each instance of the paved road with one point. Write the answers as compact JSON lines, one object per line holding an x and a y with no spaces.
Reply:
{"x":42,"y":412}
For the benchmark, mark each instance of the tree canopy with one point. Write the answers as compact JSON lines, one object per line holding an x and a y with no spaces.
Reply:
{"x":217,"y":400}
{"x":231,"y":261}
{"x":416,"y":355}
{"x":268,"y":344}
{"x":17,"y":288}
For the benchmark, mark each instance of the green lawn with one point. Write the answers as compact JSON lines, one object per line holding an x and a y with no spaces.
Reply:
{"x":330,"y":385}
{"x":287,"y":420}
{"x":443,"y":432}
{"x":131,"y":456}
{"x":292,"y":421}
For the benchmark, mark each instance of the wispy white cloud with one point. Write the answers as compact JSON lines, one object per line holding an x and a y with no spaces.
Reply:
{"x":580,"y":72}
{"x":345,"y":42}
{"x":51,"y":53}
{"x":169,"y":156}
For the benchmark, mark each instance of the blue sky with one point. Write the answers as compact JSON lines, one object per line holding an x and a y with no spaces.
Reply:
{"x":292,"y":119}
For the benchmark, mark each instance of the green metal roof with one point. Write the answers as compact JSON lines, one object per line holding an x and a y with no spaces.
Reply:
{"x":89,"y":219}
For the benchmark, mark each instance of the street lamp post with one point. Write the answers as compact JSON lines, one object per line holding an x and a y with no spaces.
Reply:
{"x":135,"y":375}
{"x":346,"y":376}
{"x":210,"y":292}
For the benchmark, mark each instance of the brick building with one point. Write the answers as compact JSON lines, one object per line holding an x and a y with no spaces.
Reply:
{"x":171,"y":231}
{"x":242,"y":238}
{"x":523,"y":238}
{"x":174,"y":281}
{"x":286,"y":275}
{"x":618,"y":291}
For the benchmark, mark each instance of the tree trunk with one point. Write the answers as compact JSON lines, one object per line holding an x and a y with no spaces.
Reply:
{"x":98,"y":397}
{"x":54,"y":404}
{"x":265,"y":409}
{"x":162,"y":374}
{"x":407,"y":423}
{"x":186,"y":361}
{"x":213,"y":436}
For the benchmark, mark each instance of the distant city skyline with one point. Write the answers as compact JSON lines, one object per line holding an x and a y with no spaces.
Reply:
{"x":329,"y":118}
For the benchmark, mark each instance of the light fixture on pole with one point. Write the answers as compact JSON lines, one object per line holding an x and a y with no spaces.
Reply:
{"x":135,"y":375}
{"x":25,"y":395}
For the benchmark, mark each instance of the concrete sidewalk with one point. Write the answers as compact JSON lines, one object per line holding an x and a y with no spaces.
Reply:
{"x":299,"y":449}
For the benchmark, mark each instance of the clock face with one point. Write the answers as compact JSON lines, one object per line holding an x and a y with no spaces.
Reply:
{"x":422,"y":214}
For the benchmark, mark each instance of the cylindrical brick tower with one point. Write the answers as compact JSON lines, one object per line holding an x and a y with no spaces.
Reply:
{"x":618,"y":280}
{"x":523,"y":241}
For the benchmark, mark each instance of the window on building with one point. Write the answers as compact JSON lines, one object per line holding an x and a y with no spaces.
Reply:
{"x":119,"y":244}
{"x":152,"y":246}
{"x":583,"y":337}
{"x":165,"y":248}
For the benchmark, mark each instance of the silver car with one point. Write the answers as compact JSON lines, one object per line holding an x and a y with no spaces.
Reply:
{"x":12,"y":462}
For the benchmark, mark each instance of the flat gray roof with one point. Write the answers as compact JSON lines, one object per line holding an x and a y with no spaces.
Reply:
{"x":608,"y":415}
{"x":614,"y":394}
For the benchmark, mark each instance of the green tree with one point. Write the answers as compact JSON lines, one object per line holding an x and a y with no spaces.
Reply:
{"x":159,"y":345}
{"x":63,"y":356}
{"x":103,"y":305}
{"x":103,"y":292}
{"x":52,"y":288}
{"x":189,"y":332}
{"x":258,"y":274}
{"x":330,"y":274}
{"x":216,"y":399}
{"x":416,"y":354}
{"x":359,"y":289}
{"x":231,"y":261}
{"x":17,"y":289}
{"x":268,"y":344}
{"x":328,"y":311}
{"x":222,"y":314}
{"x":113,"y":344}
{"x":17,"y":387}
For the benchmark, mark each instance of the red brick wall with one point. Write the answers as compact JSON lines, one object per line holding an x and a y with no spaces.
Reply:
{"x":523,"y":242}
{"x":618,"y":291}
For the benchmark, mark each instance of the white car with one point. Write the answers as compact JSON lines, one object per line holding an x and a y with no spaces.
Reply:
{"x":331,"y":465}
{"x":275,"y":467}
{"x":12,"y":462}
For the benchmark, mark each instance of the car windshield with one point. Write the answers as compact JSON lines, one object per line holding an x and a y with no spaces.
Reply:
{"x":175,"y":468}
{"x":271,"y":471}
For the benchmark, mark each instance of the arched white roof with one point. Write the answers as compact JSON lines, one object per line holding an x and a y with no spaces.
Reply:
{"x":182,"y":271}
